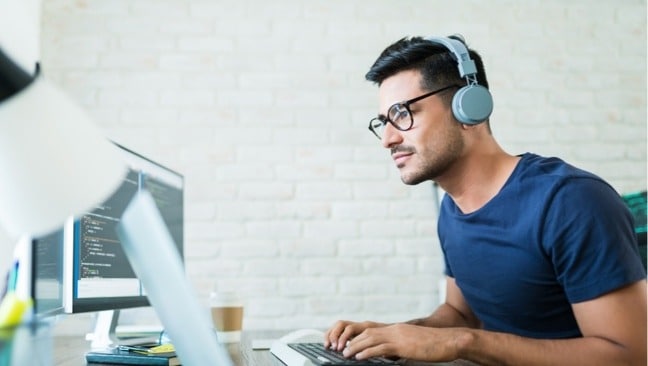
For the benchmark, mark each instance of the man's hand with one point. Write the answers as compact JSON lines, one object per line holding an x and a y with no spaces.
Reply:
{"x":343,"y":330}
{"x":405,"y":341}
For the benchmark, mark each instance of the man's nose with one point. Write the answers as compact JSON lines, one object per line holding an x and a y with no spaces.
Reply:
{"x":391,"y":136}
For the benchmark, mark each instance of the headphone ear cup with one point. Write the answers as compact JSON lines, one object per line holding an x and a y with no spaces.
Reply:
{"x":472,"y":104}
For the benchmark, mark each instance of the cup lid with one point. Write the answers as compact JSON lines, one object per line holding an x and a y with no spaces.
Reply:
{"x":225,"y":297}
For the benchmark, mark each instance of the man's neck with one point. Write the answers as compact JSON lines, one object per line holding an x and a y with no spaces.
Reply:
{"x":478,"y":178}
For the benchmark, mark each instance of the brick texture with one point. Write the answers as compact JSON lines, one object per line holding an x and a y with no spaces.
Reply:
{"x":263,"y":107}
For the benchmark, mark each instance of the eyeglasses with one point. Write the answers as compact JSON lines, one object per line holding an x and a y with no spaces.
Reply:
{"x":399,"y":115}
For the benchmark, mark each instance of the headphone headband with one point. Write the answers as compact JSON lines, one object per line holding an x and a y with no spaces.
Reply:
{"x":465,"y":64}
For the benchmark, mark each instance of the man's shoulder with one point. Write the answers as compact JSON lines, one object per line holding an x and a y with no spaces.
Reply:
{"x":546,"y":170}
{"x":549,"y":181}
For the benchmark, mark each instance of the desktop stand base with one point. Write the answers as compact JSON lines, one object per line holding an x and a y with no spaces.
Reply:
{"x":105,"y":334}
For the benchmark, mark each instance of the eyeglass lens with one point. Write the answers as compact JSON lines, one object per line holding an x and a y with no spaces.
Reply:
{"x":400,"y":116}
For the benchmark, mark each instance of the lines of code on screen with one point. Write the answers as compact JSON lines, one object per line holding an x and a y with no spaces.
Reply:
{"x":101,"y":254}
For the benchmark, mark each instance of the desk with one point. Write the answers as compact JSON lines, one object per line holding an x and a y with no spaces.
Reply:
{"x":70,"y":351}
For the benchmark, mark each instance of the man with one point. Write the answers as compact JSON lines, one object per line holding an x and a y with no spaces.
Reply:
{"x":541,"y":263}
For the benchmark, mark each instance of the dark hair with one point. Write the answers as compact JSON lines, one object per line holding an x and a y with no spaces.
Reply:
{"x":436,"y":63}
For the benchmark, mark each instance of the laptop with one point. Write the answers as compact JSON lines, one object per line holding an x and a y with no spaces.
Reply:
{"x":305,"y":348}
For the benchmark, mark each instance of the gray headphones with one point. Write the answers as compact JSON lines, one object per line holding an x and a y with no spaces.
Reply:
{"x":473,"y":103}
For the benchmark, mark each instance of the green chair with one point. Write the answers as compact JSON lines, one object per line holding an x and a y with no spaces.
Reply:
{"x":637,"y":203}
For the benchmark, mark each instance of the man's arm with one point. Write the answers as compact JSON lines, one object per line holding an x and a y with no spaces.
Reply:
{"x":613,"y":328}
{"x":454,"y":312}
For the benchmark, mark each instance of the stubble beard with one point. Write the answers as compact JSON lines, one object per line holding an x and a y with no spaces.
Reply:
{"x":435,"y":160}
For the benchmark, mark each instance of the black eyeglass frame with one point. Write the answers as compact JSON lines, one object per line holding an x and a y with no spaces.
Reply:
{"x":406,"y":104}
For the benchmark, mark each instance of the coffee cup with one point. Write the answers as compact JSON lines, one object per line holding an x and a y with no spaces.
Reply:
{"x":227,"y":315}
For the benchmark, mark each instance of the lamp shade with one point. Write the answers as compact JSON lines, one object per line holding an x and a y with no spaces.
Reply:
{"x":54,"y":162}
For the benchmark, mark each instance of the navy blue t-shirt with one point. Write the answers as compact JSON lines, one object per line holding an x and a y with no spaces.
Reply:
{"x":554,"y":235}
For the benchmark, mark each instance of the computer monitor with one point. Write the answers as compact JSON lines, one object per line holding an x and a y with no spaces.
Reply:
{"x":98,"y":275}
{"x":47,"y":274}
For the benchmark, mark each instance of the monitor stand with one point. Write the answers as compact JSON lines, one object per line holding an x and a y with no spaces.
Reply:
{"x":105,"y":334}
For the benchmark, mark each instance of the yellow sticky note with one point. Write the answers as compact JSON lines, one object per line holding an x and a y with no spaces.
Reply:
{"x":163,"y":348}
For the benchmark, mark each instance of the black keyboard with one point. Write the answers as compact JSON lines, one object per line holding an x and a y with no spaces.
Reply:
{"x":324,"y":356}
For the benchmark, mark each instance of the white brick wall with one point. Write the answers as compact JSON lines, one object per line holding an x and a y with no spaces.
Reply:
{"x":263,"y":106}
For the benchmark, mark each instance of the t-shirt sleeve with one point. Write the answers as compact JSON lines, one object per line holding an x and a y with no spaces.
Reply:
{"x":588,"y":234}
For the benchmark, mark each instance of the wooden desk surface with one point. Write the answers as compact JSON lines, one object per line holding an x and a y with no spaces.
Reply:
{"x":70,"y":351}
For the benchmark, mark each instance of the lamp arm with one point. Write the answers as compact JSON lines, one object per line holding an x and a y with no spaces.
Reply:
{"x":154,"y":258}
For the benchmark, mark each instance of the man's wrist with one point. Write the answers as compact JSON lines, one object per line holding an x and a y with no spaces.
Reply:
{"x":465,"y":341}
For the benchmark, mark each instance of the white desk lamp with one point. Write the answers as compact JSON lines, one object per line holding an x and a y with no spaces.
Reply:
{"x":54,"y":163}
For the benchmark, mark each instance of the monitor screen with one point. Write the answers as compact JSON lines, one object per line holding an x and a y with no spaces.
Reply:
{"x":47,"y":274}
{"x":98,"y":275}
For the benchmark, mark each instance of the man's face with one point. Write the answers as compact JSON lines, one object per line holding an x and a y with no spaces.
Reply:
{"x":433,"y":144}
